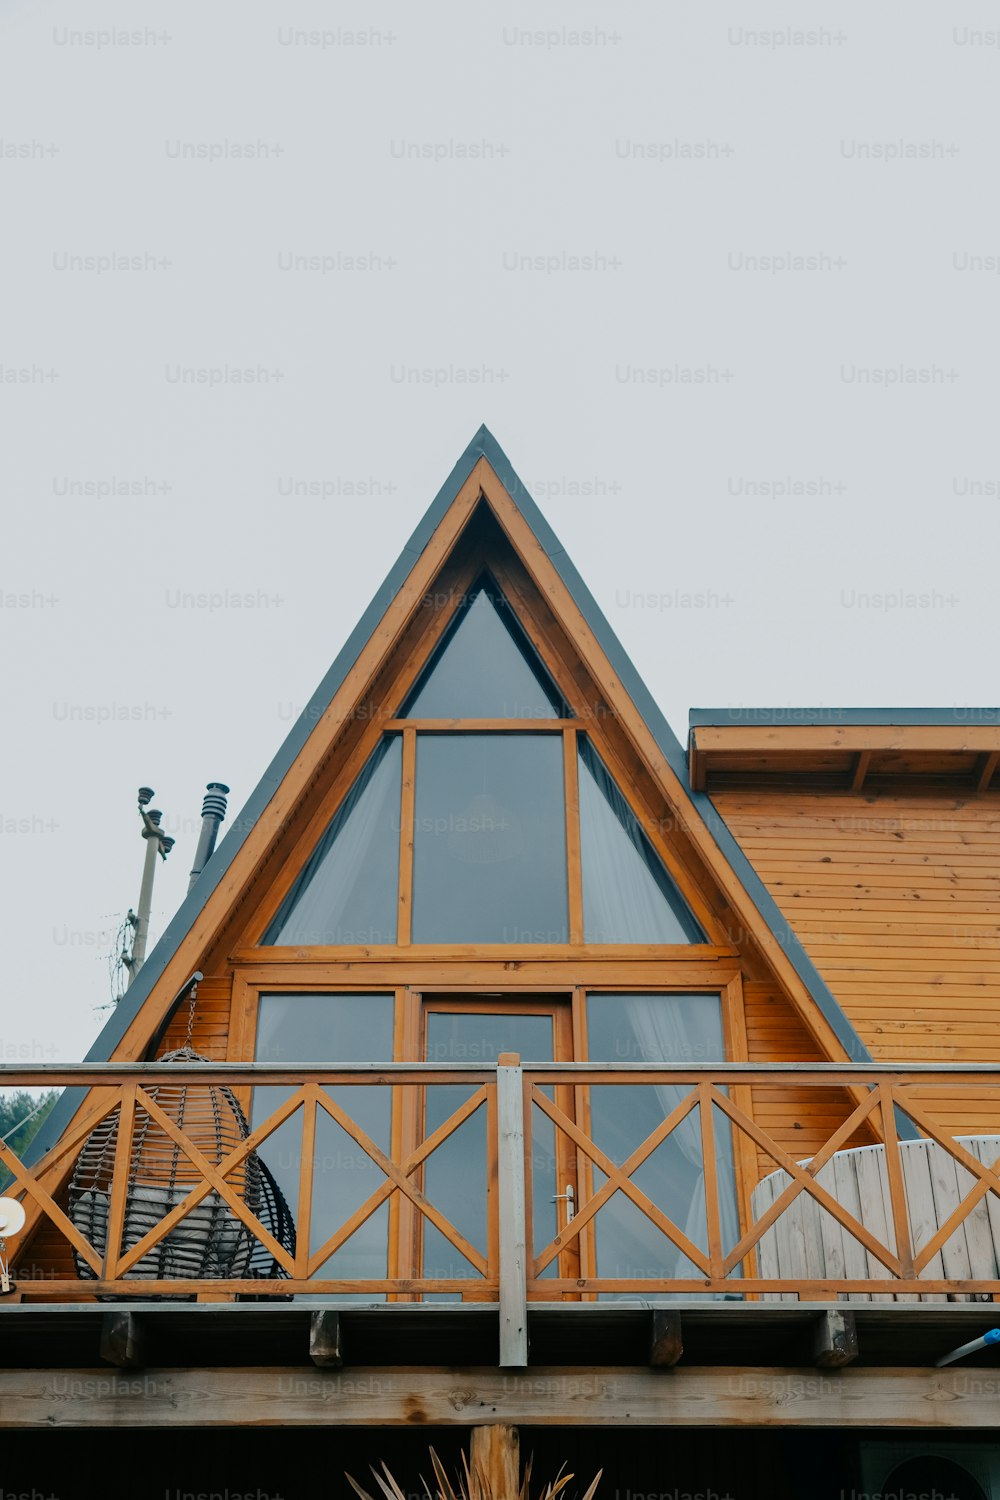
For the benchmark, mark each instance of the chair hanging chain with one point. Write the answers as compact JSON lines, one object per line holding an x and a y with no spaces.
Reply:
{"x":192,"y":998}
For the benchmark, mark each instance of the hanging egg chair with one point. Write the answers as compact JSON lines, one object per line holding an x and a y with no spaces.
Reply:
{"x":210,"y":1243}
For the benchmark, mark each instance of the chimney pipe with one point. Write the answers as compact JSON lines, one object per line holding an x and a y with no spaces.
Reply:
{"x":213,"y":810}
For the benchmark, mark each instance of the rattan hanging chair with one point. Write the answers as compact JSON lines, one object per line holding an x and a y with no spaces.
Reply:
{"x":209,"y":1243}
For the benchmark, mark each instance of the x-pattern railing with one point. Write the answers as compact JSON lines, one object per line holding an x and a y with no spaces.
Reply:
{"x":876,"y":1098}
{"x":882,"y":1094}
{"x":401,"y":1177}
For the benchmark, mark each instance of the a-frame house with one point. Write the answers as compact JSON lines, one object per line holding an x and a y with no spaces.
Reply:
{"x":501,"y":1093}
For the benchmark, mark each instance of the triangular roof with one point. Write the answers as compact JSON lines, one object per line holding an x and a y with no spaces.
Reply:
{"x":717,"y":843}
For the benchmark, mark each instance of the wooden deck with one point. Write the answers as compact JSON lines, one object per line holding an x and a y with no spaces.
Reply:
{"x":902,"y":1254}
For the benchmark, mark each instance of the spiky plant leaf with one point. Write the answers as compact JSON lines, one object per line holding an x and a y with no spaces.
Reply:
{"x":470,"y":1486}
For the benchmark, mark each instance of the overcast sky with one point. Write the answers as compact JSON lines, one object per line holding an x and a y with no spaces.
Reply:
{"x":722,"y":280}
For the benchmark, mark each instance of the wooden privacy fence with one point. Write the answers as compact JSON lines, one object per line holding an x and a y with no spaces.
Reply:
{"x":905,"y":1255}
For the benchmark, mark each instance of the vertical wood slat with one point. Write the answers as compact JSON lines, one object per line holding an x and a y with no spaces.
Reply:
{"x":711,"y":1174}
{"x":985,"y":1151}
{"x":404,"y":917}
{"x":782,"y":1230}
{"x":922,"y":1212}
{"x":767,"y":1245}
{"x":120,"y":1181}
{"x":405,"y":1116}
{"x":512,"y":1212}
{"x":743,"y":1148}
{"x":875,"y":1213}
{"x":574,"y":867}
{"x":831,"y":1234}
{"x":894,"y":1171}
{"x":307,"y":1168}
{"x":495,"y":1463}
{"x":491,"y":1168}
{"x":947,"y":1192}
{"x":848,"y":1193}
{"x":811,"y":1223}
{"x":978,"y":1236}
{"x":584,"y":1166}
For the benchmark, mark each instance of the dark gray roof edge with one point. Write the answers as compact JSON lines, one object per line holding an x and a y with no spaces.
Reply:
{"x":190,"y":908}
{"x":676,"y":757}
{"x":718,"y":717}
{"x":483,"y":444}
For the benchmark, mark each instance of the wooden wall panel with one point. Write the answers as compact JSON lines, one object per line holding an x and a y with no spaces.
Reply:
{"x":896,"y":898}
{"x":210,"y":1034}
{"x":800,"y":1119}
{"x":897,"y":901}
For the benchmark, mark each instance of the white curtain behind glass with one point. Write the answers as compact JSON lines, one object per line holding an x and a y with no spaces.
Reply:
{"x":654,"y":1029}
{"x":624,"y":886}
{"x":345,"y":893}
{"x":678,"y":1030}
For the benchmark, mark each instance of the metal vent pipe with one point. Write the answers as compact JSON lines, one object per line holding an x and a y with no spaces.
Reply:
{"x":213,"y":810}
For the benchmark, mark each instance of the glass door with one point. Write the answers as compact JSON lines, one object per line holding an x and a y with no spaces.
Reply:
{"x":477,"y":1029}
{"x":659,"y":1030}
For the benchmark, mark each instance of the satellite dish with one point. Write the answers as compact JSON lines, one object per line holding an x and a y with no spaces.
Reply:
{"x":12,"y":1217}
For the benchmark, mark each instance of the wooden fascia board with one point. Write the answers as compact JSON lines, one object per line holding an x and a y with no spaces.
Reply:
{"x":316,"y":748}
{"x":568,"y":613}
{"x":854,"y":739}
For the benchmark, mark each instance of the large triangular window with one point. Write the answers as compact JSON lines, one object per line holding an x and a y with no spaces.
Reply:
{"x":348,"y":891}
{"x":489,"y":857}
{"x":484,"y":668}
{"x":628,"y":896}
{"x":484,"y":816}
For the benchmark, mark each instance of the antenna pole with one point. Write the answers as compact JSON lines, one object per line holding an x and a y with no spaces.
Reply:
{"x":157,"y":842}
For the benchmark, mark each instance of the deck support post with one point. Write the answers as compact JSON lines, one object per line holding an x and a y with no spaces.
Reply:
{"x":511,"y":1212}
{"x":495,"y":1462}
{"x":835,"y":1341}
{"x":325,"y":1347}
{"x":123,"y":1341}
{"x":665,"y":1344}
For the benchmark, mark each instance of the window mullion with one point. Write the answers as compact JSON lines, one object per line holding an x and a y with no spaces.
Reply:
{"x":573,"y":870}
{"x":404,"y":922}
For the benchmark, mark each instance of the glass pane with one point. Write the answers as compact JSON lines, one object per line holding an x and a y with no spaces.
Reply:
{"x":331,"y":1028}
{"x":655,"y":1029}
{"x":484,"y":668}
{"x":628,"y":897}
{"x":349,"y":889}
{"x":456,"y":1171}
{"x":489,"y":857}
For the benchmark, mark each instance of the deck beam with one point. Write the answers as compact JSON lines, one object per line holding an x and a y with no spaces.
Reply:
{"x":666,"y":1344}
{"x":326,"y":1349}
{"x":925,"y":1399}
{"x":835,"y":1341}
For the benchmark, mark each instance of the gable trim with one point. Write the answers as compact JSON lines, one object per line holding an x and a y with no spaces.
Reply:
{"x":389,"y":597}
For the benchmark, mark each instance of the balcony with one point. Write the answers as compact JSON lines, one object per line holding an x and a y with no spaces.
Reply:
{"x":167,"y":1218}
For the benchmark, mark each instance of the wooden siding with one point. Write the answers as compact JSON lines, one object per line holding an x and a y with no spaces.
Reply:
{"x":801,"y":1120}
{"x":897,"y":901}
{"x":210,"y":1032}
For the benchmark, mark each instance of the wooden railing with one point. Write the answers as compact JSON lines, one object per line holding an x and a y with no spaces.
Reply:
{"x":507,"y":1267}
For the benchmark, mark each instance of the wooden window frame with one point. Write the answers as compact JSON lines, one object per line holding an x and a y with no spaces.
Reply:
{"x":383,"y":721}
